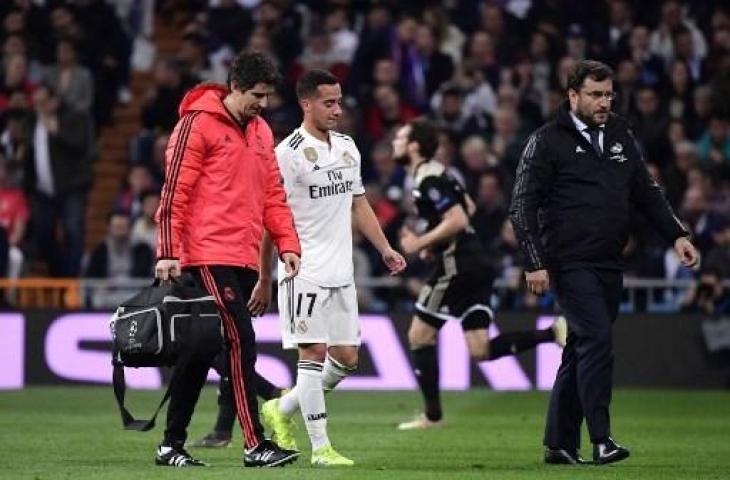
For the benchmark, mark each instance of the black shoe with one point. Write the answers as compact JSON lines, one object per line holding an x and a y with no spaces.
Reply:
{"x":561,"y":456}
{"x":609,"y":452}
{"x":176,"y":457}
{"x":214,"y":439}
{"x":268,"y":454}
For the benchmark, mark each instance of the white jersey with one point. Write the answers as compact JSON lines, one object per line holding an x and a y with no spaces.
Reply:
{"x":320,"y":180}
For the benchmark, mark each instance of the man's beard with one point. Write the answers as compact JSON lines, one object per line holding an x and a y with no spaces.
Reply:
{"x":588,"y":119}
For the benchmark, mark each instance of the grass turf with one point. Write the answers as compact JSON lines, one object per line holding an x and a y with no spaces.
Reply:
{"x":75,"y":433}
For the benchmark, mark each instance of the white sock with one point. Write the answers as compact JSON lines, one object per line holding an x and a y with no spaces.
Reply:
{"x":289,"y":403}
{"x":311,"y":400}
{"x":334,"y":372}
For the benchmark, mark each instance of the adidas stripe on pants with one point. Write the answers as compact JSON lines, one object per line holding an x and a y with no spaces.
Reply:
{"x":231,"y":287}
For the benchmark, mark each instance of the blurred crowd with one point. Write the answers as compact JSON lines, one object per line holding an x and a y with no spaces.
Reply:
{"x":486,"y":72}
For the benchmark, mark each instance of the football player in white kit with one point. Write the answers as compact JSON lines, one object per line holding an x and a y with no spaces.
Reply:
{"x":320,"y":169}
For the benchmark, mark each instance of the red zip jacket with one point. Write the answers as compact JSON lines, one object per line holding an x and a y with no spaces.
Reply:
{"x":222,"y":187}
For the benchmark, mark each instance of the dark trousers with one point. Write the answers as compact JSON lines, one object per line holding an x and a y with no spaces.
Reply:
{"x":590,"y":300}
{"x":63,"y":258}
{"x":231,"y":287}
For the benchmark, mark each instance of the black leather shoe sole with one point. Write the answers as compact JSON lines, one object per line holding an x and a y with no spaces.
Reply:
{"x":613,"y":457}
{"x":558,"y":456}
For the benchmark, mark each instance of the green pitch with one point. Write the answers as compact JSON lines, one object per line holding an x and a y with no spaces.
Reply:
{"x":75,"y":433}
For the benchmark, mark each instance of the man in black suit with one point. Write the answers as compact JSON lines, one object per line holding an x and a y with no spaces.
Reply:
{"x":583,"y":174}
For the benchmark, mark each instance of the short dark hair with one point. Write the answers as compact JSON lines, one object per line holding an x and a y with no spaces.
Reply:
{"x":118,"y":212}
{"x":249,"y":68}
{"x":425,"y":134}
{"x":592,"y":69}
{"x":308,"y":83}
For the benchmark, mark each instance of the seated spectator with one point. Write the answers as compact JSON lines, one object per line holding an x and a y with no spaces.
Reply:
{"x":627,"y":82}
{"x":118,"y":257}
{"x":686,"y":53}
{"x":451,"y":39}
{"x":388,"y":175}
{"x":319,"y":53}
{"x":479,"y":96}
{"x":447,"y":153}
{"x":703,"y":223}
{"x":281,"y":116}
{"x":15,"y":44}
{"x":650,"y":65}
{"x":678,"y":94}
{"x":386,"y":210}
{"x":433,"y":68}
{"x":109,"y":51}
{"x":529,"y":112}
{"x":719,"y":256}
{"x":661,"y":41}
{"x":452,"y":117}
{"x":491,"y":209}
{"x":282,"y":26}
{"x":363,"y":271}
{"x":144,"y":229}
{"x":481,"y":51}
{"x":15,"y":79}
{"x":72,"y":81}
{"x":13,"y":223}
{"x":385,"y":72}
{"x":649,"y":124}
{"x":564,"y":67}
{"x":714,"y":145}
{"x":701,"y":111}
{"x":541,"y":50}
{"x":139,"y":181}
{"x":388,"y":111}
{"x":510,"y":265}
{"x":475,"y":159}
{"x":14,"y":145}
{"x":193,"y":57}
{"x":685,"y":158}
{"x":708,"y":295}
{"x":576,"y":43}
{"x":229,"y":25}
{"x":344,"y":39}
{"x":507,"y":139}
{"x":159,"y":112}
{"x":157,"y":161}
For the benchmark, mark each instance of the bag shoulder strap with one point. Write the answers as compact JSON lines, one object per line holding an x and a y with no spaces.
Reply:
{"x":120,"y":387}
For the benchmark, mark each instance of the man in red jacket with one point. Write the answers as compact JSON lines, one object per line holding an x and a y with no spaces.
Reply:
{"x":222,"y":189}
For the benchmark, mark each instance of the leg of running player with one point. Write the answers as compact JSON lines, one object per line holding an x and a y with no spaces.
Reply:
{"x":422,"y":339}
{"x":482,"y":348}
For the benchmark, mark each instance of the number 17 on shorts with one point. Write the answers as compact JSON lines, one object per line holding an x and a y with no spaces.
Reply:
{"x":310,"y":313}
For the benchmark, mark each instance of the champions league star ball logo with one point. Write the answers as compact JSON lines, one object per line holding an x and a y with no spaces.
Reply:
{"x":228,"y":294}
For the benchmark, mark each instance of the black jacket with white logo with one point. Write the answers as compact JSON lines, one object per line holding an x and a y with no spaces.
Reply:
{"x":571,"y":206}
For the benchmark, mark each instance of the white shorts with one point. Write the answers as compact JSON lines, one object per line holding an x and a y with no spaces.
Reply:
{"x":313,"y":314}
